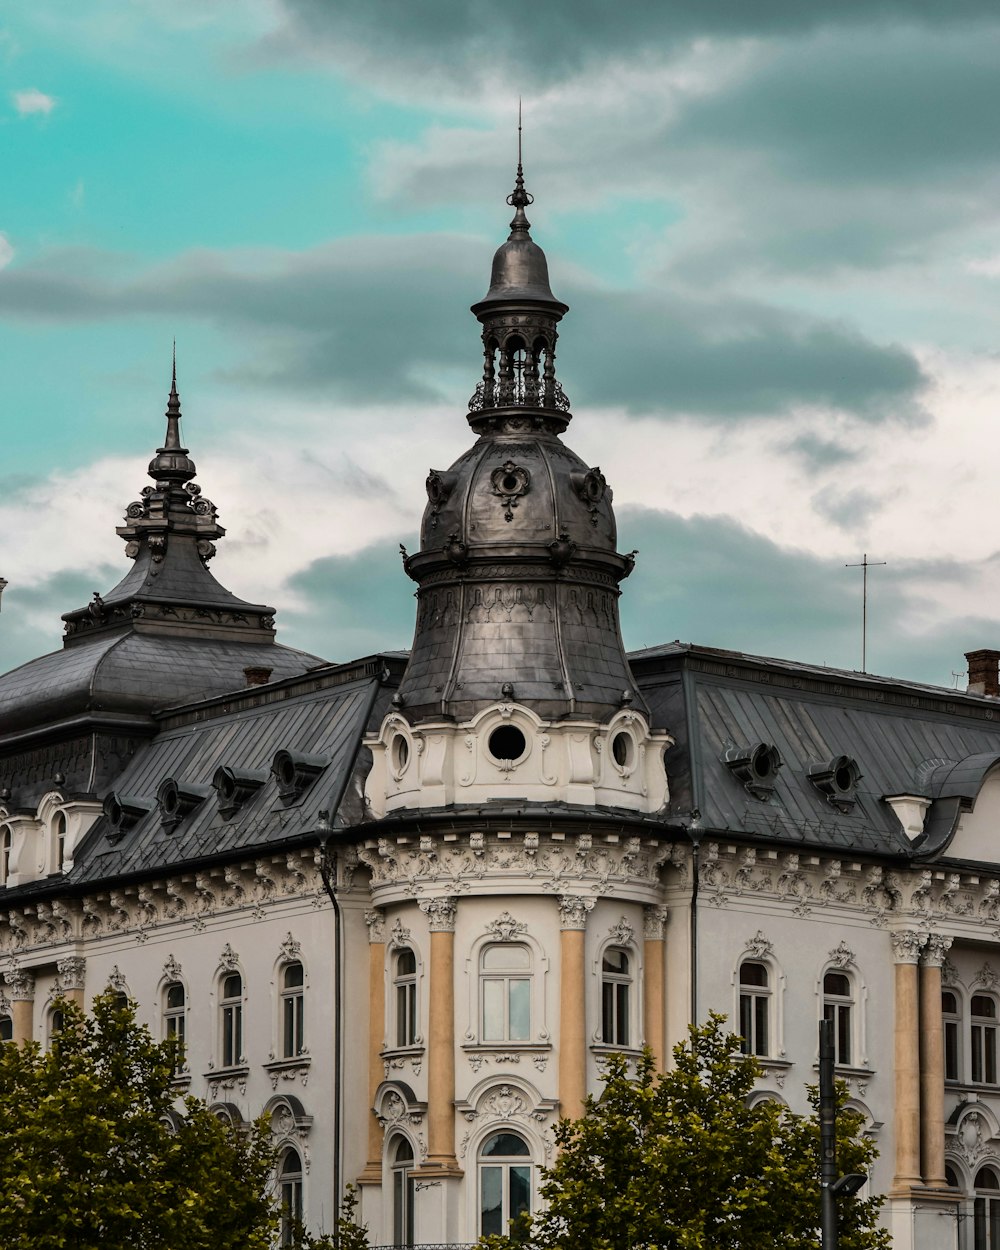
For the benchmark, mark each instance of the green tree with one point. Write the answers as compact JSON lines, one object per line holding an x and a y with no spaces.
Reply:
{"x":679,"y":1161}
{"x":96,"y":1155}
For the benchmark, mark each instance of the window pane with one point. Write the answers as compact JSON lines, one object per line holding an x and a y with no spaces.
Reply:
{"x":411,"y":1014}
{"x":986,"y":1178}
{"x":398,"y":1207}
{"x":979,"y":1224}
{"x":505,"y":1145}
{"x":520,"y":1011}
{"x":753,"y":974}
{"x":746,"y":1028}
{"x":498,"y":957}
{"x":983,"y":1005}
{"x":949,"y":1003}
{"x":491,"y":1198}
{"x":837,"y":983}
{"x":289,"y":1027}
{"x":293,"y":976}
{"x":843,"y":1034}
{"x":608,"y":1012}
{"x":622,"y":993}
{"x":990,"y":1055}
{"x":977,"y":1052}
{"x":951,"y":1051}
{"x":493,"y":992}
{"x":406,"y":963}
{"x":6,"y":1029}
{"x":520,"y":1191}
{"x":401,"y":1015}
{"x":615,"y":961}
{"x":300,"y":1024}
{"x":760,"y":1026}
{"x":232,"y":987}
{"x":404,"y":1151}
{"x":175,"y":995}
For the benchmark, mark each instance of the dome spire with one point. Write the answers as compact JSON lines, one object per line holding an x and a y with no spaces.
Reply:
{"x":519,"y":199}
{"x":172,"y":462}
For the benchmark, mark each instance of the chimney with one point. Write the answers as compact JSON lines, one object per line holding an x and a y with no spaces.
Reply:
{"x":261,"y":676}
{"x":983,"y":672}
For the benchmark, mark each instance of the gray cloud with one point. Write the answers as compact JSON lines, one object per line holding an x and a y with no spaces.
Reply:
{"x":818,"y":453}
{"x":384,"y":320}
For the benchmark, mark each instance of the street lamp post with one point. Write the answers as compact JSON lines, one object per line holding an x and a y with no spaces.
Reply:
{"x":830,"y":1187}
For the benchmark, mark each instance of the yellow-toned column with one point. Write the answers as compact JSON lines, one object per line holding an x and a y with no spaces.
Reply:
{"x":21,"y":992}
{"x":906,"y":946}
{"x":653,"y":1023}
{"x":441,"y":1159}
{"x":72,"y":969}
{"x":932,"y":1062}
{"x":375,"y":919}
{"x":573,"y":911}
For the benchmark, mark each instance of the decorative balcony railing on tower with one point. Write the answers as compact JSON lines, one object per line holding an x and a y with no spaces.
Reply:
{"x":519,"y":382}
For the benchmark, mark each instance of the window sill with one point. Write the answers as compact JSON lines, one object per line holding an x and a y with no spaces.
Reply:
{"x":770,"y":1063}
{"x":848,"y":1072}
{"x":524,"y":1048}
{"x":181,"y":1080}
{"x":288,"y":1061}
{"x":402,"y":1052}
{"x":971,"y":1087}
{"x":604,"y":1049}
{"x":234,"y":1073}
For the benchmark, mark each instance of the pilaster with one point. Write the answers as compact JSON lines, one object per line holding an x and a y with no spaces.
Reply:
{"x":441,"y":1160}
{"x":573,"y":909}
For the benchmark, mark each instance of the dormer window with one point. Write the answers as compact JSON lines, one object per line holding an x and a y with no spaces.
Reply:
{"x":123,"y":811}
{"x":755,"y":766}
{"x":294,"y":772}
{"x":236,"y":786}
{"x":176,"y":800}
{"x":837,"y":781}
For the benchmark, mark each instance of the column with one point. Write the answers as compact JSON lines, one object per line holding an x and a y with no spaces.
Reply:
{"x":71,"y":969}
{"x":441,"y":1038}
{"x":21,"y":992}
{"x":653,"y":920}
{"x":375,"y":919}
{"x":573,"y":911}
{"x":932,"y":1061}
{"x":906,"y":946}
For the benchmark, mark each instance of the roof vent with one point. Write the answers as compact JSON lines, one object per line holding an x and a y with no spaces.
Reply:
{"x":294,"y":771}
{"x":235,"y":786}
{"x":756,"y":767}
{"x":177,"y":799}
{"x":257,"y":674}
{"x":123,"y":811}
{"x":983,"y":672}
{"x":837,"y":781}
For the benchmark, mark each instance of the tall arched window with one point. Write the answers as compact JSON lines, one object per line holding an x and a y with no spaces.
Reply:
{"x":983,"y":1031}
{"x":404,"y":982}
{"x":402,"y":1193}
{"x":6,"y":1028}
{"x":293,"y":1011}
{"x":986,"y":1211}
{"x":838,"y":1006}
{"x":174,"y":1018}
{"x":952,"y":1023}
{"x":616,"y":991}
{"x":231,"y":1020}
{"x":290,"y":1194}
{"x":755,"y":1007}
{"x":504,"y":1182}
{"x":58,"y":841}
{"x":505,"y":993}
{"x":6,"y":842}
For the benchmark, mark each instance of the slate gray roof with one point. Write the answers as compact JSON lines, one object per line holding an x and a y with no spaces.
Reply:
{"x":907,"y":738}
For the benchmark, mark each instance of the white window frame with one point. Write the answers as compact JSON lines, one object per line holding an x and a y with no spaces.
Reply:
{"x":405,"y":1013}
{"x":837,"y":1003}
{"x":952,"y":1027}
{"x":291,"y":1011}
{"x":983,"y":1036}
{"x":754,"y":995}
{"x":614,"y":981}
{"x":506,"y":977}
{"x":505,"y":1164}
{"x":291,"y":1194}
{"x":402,"y":1190}
{"x":231,"y":1003}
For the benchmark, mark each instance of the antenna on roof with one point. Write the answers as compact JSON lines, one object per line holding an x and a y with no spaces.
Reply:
{"x":865,"y":564}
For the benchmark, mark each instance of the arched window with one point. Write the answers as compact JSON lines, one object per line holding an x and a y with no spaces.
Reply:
{"x":174,"y":1018}
{"x":838,"y":1006}
{"x":402,"y":1193}
{"x":504,"y":1182}
{"x":55,"y":1023}
{"x":6,"y":842}
{"x":58,"y":841}
{"x":405,"y":987}
{"x":616,"y":987}
{"x":952,"y":1022}
{"x":505,"y":993}
{"x":231,"y":1020}
{"x":293,"y":1011}
{"x":986,"y":1211}
{"x":290,"y":1195}
{"x":983,"y":1032}
{"x":6,"y":1029}
{"x":755,"y":1007}
{"x":951,"y":1176}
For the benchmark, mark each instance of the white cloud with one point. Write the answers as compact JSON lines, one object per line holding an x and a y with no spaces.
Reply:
{"x":31,"y":101}
{"x":6,"y":250}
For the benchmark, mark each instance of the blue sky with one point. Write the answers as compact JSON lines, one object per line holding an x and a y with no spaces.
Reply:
{"x":775,"y":225}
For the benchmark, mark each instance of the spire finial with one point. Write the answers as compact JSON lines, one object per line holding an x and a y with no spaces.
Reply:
{"x":519,"y":198}
{"x":172,"y":441}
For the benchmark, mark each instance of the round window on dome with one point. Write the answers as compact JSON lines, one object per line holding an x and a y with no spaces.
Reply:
{"x":507,"y":743}
{"x":399,"y":753}
{"x":623,"y":749}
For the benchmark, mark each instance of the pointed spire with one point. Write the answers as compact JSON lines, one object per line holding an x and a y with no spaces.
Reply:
{"x":519,"y":198}
{"x":171,"y":462}
{"x":172,"y":442}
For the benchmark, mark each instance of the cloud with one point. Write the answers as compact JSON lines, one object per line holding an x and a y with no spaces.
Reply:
{"x":31,"y":101}
{"x":6,"y":250}
{"x":384,"y":319}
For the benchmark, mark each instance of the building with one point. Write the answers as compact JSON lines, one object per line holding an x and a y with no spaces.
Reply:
{"x":408,"y":905}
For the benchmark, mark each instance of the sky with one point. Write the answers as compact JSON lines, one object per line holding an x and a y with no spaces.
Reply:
{"x":775,"y":223}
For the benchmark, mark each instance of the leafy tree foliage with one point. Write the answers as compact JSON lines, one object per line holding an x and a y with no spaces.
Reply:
{"x":679,"y":1161}
{"x":96,"y":1157}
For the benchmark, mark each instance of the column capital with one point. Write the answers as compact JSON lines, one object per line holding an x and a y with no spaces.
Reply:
{"x":936,"y":948}
{"x":906,"y":945}
{"x":654,"y":918}
{"x":375,"y":920}
{"x":20,"y":986}
{"x":573,"y":909}
{"x":441,"y":912}
{"x":71,"y":969}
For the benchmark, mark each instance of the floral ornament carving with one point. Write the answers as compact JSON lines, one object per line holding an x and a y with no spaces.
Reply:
{"x":990,"y":904}
{"x":621,"y":933}
{"x":573,"y":909}
{"x":971,"y":1137}
{"x":116,"y":981}
{"x":291,"y":950}
{"x":441,"y":913}
{"x":375,"y":920}
{"x":758,"y":946}
{"x":20,"y":985}
{"x":906,"y":946}
{"x":949,"y":973}
{"x":505,"y":928}
{"x":842,"y":956}
{"x":71,"y":971}
{"x":654,"y":918}
{"x":401,"y":935}
{"x":229,"y":961}
{"x":171,"y":969}
{"x":986,"y":976}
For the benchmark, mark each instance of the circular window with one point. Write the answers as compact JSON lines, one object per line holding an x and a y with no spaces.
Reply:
{"x":622,"y":749}
{"x":510,"y":482}
{"x":506,"y":742}
{"x":400,"y":754}
{"x":843,"y":778}
{"x":762,"y":763}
